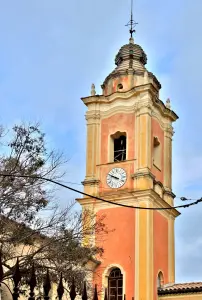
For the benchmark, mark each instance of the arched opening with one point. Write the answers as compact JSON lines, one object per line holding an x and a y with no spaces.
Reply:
{"x":118,"y":143}
{"x":160,"y":280}
{"x":120,"y":148}
{"x":115,"y":285}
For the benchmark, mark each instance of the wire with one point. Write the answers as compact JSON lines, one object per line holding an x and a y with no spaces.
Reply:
{"x":69,"y":182}
{"x":98,"y":198}
{"x":105,"y":188}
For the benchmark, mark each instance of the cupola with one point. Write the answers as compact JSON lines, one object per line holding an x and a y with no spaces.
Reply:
{"x":130,"y":70}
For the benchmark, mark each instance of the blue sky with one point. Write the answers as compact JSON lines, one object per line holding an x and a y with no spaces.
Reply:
{"x":51,"y":52}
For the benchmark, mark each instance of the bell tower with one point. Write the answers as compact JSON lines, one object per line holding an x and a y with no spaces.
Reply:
{"x":129,"y":161}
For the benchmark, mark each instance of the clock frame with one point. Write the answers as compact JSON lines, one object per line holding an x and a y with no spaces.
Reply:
{"x":116,"y":178}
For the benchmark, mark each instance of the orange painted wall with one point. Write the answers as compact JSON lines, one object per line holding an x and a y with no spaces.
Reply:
{"x":158,"y":131}
{"x":124,"y":81}
{"x":118,"y":245}
{"x":160,"y":248}
{"x":118,"y":122}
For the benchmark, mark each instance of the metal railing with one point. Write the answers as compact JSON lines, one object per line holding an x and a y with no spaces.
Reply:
{"x":32,"y":284}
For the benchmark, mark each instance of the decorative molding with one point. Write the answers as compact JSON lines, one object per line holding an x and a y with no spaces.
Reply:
{"x":145,"y":90}
{"x":169,"y":130}
{"x":169,"y":193}
{"x":117,"y":163}
{"x":142,"y":173}
{"x":165,"y":191}
{"x":93,"y":115}
{"x":133,"y":198}
{"x":91,"y":182}
{"x":165,"y":111}
{"x":127,"y":94}
{"x":92,"y":263}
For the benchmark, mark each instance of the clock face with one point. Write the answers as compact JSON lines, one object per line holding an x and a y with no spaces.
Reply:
{"x":116,"y":178}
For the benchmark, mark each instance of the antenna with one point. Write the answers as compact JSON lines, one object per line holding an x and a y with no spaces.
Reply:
{"x":131,"y":23}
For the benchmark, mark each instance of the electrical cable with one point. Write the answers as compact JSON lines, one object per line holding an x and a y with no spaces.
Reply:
{"x":98,"y":198}
{"x":105,"y":188}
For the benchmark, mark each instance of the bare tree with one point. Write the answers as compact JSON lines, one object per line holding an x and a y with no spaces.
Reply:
{"x":32,"y":225}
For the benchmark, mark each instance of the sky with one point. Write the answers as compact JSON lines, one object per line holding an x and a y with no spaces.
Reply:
{"x":52,"y":51}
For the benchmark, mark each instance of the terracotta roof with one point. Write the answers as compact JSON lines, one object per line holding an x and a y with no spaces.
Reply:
{"x":180,"y":288}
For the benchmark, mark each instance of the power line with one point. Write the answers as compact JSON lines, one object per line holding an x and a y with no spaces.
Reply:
{"x":105,"y":188}
{"x":98,"y":198}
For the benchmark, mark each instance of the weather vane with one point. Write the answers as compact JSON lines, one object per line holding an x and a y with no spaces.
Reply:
{"x":131,"y":23}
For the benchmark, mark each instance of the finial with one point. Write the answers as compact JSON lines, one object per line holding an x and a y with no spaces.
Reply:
{"x":132,"y":24}
{"x":168,"y":103}
{"x":93,"y":92}
{"x":131,"y":40}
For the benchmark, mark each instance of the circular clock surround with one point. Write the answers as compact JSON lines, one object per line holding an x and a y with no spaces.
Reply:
{"x":116,"y":178}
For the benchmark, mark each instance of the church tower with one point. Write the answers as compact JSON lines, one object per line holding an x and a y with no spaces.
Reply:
{"x":129,"y":161}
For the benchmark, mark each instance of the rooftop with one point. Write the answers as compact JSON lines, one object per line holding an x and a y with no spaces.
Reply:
{"x":180,"y":288}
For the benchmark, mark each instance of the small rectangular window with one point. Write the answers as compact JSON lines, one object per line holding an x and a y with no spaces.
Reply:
{"x":157,"y":153}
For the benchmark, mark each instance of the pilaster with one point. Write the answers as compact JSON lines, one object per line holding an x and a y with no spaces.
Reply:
{"x":168,"y":133}
{"x":143,"y":140}
{"x":144,"y":253}
{"x":91,"y":181}
{"x":171,"y":249}
{"x":144,"y":135}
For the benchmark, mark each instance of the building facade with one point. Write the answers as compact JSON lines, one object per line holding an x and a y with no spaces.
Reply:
{"x":129,"y":163}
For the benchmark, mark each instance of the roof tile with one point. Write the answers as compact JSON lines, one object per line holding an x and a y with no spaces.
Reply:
{"x":177,"y":288}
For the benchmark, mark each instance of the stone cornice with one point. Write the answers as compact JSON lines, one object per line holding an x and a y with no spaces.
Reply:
{"x":92,"y":263}
{"x":119,"y":95}
{"x":138,"y":90}
{"x":164,"y":110}
{"x":94,"y":115}
{"x":135,"y":198}
{"x":91,"y":182}
{"x":165,"y":191}
{"x":169,"y":193}
{"x":143,"y":174}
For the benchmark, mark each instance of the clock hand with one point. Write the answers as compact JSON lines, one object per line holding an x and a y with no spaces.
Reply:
{"x":113,"y":176}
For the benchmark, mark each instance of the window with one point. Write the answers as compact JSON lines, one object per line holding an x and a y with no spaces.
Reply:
{"x":120,"y":148}
{"x":160,"y":280}
{"x":115,"y":285}
{"x":157,"y":153}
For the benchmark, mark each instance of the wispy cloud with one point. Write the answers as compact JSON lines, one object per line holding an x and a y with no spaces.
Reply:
{"x":52,"y":51}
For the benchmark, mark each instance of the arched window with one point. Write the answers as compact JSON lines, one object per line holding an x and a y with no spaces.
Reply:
{"x":115,"y":285}
{"x":160,"y":280}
